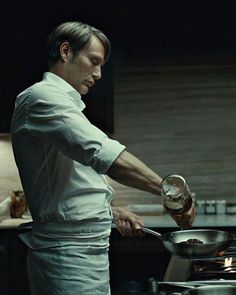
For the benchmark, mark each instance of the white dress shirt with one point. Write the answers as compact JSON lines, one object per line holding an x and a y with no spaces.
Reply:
{"x":61,"y":156}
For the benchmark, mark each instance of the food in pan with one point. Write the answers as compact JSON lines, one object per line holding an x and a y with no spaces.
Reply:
{"x":192,"y":241}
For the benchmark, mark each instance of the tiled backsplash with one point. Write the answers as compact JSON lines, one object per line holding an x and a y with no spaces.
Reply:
{"x":9,"y":177}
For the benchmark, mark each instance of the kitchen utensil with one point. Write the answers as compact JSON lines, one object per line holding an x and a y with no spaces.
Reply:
{"x":214,"y":242}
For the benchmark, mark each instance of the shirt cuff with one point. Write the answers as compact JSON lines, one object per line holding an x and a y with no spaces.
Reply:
{"x":106,"y":155}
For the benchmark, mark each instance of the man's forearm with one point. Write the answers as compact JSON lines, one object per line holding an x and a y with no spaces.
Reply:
{"x":130,"y":171}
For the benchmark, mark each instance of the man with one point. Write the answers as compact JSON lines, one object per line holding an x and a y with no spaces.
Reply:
{"x":62,"y":160}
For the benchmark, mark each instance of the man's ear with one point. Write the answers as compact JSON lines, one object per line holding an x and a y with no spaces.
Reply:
{"x":65,"y":51}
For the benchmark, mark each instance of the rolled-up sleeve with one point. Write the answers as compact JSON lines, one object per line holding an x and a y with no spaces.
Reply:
{"x":106,"y":155}
{"x":57,"y":120}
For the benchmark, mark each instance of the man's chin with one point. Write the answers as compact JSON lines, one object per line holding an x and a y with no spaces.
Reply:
{"x":83,"y":90}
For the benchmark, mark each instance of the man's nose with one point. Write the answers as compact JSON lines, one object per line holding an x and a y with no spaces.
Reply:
{"x":97,"y":74}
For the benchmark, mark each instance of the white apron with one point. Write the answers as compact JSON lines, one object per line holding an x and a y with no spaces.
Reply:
{"x":68,"y":259}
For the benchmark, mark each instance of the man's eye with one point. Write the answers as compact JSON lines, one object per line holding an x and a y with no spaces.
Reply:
{"x":95,"y":62}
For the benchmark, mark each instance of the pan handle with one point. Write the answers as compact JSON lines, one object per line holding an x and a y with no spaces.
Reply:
{"x":151,"y":232}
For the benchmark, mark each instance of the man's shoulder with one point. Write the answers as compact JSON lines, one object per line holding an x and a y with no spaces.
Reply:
{"x":40,"y":89}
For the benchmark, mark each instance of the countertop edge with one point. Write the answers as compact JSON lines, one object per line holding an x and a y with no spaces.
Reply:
{"x":160,"y":221}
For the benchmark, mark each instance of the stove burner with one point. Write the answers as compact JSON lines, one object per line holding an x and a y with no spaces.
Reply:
{"x":203,"y":269}
{"x":200,"y":271}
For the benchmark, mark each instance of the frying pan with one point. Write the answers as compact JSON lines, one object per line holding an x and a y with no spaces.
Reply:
{"x":214,"y":244}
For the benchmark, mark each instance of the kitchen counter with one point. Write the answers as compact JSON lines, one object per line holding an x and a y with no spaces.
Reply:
{"x":220,"y":220}
{"x":160,"y":221}
{"x":149,"y":251}
{"x":12,"y":223}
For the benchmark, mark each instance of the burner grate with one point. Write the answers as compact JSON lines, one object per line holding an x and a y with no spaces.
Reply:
{"x":222,"y":267}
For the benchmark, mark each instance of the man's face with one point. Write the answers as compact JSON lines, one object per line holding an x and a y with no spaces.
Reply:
{"x":84,"y":69}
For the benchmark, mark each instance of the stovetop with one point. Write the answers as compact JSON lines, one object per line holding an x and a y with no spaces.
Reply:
{"x":170,"y":288}
{"x":223,"y":267}
{"x":220,"y":268}
{"x":182,"y":274}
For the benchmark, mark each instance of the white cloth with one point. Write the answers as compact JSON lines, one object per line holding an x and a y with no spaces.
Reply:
{"x":61,"y":156}
{"x":75,"y":261}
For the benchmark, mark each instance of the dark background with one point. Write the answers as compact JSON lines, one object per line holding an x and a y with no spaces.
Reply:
{"x":171,"y":32}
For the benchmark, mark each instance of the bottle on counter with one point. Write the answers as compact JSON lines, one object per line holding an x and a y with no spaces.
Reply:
{"x":152,"y":286}
{"x":177,"y":198}
{"x":210,"y":207}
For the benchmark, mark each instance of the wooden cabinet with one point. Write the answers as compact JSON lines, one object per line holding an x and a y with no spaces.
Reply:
{"x":3,"y":264}
{"x":136,"y":259}
{"x":13,"y":279}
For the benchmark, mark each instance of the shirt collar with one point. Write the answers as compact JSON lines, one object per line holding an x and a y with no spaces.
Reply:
{"x":63,"y":85}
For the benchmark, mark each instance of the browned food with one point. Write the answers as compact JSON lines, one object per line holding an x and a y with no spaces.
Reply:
{"x":192,"y":241}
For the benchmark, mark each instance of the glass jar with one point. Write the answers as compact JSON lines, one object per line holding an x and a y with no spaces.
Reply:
{"x":201,"y":206}
{"x":210,"y":207}
{"x":220,"y":206}
{"x":176,"y":195}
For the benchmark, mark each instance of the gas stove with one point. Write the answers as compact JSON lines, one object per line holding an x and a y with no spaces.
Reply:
{"x":221,"y":268}
{"x":182,"y":274}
